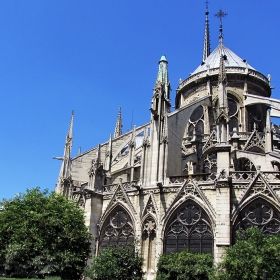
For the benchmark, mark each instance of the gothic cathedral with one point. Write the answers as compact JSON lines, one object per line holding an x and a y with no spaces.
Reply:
{"x":191,"y":177}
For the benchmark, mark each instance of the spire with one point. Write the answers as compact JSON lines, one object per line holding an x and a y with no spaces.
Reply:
{"x":118,"y":128}
{"x":220,"y":15}
{"x":65,"y":170}
{"x":68,"y":148}
{"x":162,"y":76}
{"x":69,"y":136}
{"x":162,"y":70}
{"x":206,"y":46}
{"x":222,"y":79}
{"x":222,"y":71}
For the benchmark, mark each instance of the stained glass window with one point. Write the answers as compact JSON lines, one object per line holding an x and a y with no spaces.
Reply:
{"x":260,"y":214}
{"x":117,"y":229}
{"x":189,"y":228}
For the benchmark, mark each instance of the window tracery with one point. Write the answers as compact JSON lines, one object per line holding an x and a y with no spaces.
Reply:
{"x":189,"y":228}
{"x":210,"y":163}
{"x":260,"y":214}
{"x":118,"y":229}
{"x":196,"y":122}
{"x":233,"y":114}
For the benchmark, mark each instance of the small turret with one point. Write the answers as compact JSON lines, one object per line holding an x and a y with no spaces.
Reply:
{"x":118,"y":128}
{"x":162,"y":76}
{"x":222,"y":79}
{"x":158,"y":134}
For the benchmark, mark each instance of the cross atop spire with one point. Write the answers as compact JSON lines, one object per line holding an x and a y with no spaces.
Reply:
{"x":206,"y":46}
{"x":220,"y":14}
{"x":118,"y":128}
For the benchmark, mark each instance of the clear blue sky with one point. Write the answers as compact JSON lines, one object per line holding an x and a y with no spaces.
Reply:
{"x":94,"y":56}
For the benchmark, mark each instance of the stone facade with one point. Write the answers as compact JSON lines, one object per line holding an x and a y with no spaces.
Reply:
{"x":189,"y":178}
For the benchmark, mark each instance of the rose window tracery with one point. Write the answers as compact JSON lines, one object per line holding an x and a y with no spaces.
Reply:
{"x":118,"y":229}
{"x":189,"y":228}
{"x":260,"y":214}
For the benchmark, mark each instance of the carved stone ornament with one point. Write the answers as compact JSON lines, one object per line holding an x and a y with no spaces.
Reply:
{"x":149,"y":225}
{"x":150,"y":207}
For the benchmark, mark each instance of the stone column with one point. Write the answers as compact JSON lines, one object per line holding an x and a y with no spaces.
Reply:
{"x":223,"y":232}
{"x":93,"y":210}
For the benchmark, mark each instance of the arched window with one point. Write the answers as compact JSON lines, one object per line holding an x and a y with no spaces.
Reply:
{"x":117,"y":229}
{"x":189,"y":227}
{"x":196,"y":122}
{"x":244,"y":164}
{"x":256,"y":116}
{"x":233,"y":114}
{"x":261,"y":214}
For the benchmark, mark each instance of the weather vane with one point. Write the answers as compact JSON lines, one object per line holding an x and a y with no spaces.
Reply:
{"x":220,"y":15}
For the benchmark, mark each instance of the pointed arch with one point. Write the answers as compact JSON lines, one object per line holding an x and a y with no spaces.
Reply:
{"x":259,"y":212}
{"x":259,"y":187}
{"x":249,"y":200}
{"x":190,"y":190}
{"x":150,"y":207}
{"x":119,"y":197}
{"x":188,"y":226}
{"x":118,"y":227}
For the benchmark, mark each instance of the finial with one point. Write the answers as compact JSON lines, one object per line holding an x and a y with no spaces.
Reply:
{"x":118,"y":128}
{"x":222,"y":71}
{"x":206,"y":46}
{"x":69,"y":135}
{"x":206,"y":2}
{"x":220,"y":15}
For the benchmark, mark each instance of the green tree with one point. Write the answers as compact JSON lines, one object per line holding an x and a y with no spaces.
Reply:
{"x":185,"y":266}
{"x":254,"y":256}
{"x":43,"y":235}
{"x":120,"y":262}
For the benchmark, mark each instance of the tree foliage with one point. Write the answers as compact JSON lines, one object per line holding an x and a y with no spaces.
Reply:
{"x":185,"y":266}
{"x":254,"y":257}
{"x":120,"y":262}
{"x":43,"y":235}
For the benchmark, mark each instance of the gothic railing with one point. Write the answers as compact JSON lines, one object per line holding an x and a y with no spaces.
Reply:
{"x":271,"y":175}
{"x":182,"y":178}
{"x":110,"y":188}
{"x":215,"y":71}
{"x":245,"y":135}
{"x":242,"y":175}
{"x":235,"y":176}
{"x":128,"y":186}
